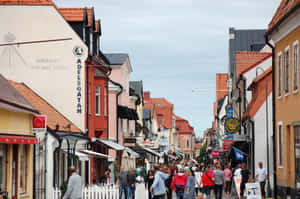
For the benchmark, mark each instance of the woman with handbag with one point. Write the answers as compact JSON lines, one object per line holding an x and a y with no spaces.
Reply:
{"x":207,"y":182}
{"x":178,"y":183}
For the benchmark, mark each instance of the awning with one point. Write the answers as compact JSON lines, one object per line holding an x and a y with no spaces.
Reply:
{"x":111,"y":144}
{"x":18,"y":139}
{"x":95,"y":154}
{"x":172,"y":156}
{"x":152,"y":152}
{"x":81,"y":156}
{"x":127,"y":113}
{"x":132,"y":152}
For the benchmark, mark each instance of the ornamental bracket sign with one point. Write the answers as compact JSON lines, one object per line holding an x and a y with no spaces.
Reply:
{"x":232,"y":125}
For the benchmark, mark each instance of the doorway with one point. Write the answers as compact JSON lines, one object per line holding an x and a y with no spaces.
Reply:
{"x":15,"y":172}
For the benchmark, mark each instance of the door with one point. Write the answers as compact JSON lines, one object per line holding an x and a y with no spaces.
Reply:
{"x":297,"y":157}
{"x":15,"y":172}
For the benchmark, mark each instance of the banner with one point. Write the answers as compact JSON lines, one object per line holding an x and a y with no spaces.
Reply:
{"x":239,"y":155}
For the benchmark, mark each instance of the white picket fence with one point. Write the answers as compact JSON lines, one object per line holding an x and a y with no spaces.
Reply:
{"x":94,"y":192}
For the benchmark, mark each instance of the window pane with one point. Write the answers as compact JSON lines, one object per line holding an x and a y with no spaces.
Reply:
{"x":286,"y":72}
{"x":295,"y":76}
{"x":279,"y":74}
{"x":297,"y":154}
{"x":280,"y":145}
{"x":23,"y":168}
{"x":98,"y":100}
{"x":2,"y":166}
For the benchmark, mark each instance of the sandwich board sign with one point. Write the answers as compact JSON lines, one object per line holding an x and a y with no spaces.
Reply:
{"x":253,"y":191}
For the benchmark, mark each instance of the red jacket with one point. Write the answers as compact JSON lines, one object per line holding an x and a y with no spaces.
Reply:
{"x":179,"y":179}
{"x":207,"y":179}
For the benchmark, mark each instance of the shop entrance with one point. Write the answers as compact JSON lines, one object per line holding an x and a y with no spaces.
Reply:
{"x":15,"y":172}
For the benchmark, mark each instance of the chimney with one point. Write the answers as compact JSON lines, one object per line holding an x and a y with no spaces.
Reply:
{"x":146,"y":95}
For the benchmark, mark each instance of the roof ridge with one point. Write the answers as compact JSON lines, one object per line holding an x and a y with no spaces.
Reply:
{"x":258,"y":62}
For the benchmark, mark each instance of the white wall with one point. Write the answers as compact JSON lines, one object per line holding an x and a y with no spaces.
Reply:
{"x":261,"y":139}
{"x":251,"y":75}
{"x":49,"y":68}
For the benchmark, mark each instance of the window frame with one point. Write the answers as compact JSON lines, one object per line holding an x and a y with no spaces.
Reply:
{"x":286,"y":79}
{"x":296,"y":44}
{"x":280,"y":144}
{"x":23,"y":168}
{"x":98,"y":111}
{"x":105,"y":101}
{"x":279,"y":75}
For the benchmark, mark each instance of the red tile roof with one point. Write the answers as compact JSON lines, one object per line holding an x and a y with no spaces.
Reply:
{"x":221,"y":85}
{"x":258,"y":87}
{"x":183,"y":127}
{"x":53,"y":116}
{"x":255,"y":64}
{"x":285,"y":8}
{"x":76,"y":14}
{"x":245,"y":59}
{"x":26,"y":2}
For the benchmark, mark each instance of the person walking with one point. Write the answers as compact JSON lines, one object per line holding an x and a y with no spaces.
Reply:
{"x":189,"y":190}
{"x":261,"y":177}
{"x":208,"y":182}
{"x":131,"y":183}
{"x":246,"y":177}
{"x":198,"y":179}
{"x":168,"y":183}
{"x":74,"y":190}
{"x":158,"y":187}
{"x":123,"y":183}
{"x":178,"y":183}
{"x":149,"y":182}
{"x":219,"y":181}
{"x":228,"y":180}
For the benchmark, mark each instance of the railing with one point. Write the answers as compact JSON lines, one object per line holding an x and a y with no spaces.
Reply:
{"x":94,"y":192}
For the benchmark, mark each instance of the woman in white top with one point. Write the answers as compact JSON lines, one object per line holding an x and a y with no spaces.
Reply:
{"x":198,"y":179}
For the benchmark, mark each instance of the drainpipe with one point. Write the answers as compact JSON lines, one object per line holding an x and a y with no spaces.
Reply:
{"x":107,"y":104}
{"x":252,"y":144}
{"x":274,"y":112}
{"x":87,"y":95}
{"x":54,"y":162}
{"x":119,"y":93}
{"x":34,"y":165}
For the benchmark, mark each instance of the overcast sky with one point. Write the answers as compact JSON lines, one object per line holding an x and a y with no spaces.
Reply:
{"x":177,"y":46}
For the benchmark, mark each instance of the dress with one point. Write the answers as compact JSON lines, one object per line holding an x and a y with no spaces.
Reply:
{"x":191,"y":185}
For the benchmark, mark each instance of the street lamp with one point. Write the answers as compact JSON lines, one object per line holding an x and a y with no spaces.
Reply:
{"x":267,"y":128}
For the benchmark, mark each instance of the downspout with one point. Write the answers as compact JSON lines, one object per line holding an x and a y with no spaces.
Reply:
{"x":34,"y":165}
{"x":107,"y":104}
{"x":54,"y":162}
{"x":253,"y":144}
{"x":274,"y":116}
{"x":87,"y":97}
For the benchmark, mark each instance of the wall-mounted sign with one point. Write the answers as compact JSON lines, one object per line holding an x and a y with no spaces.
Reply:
{"x":215,"y":154}
{"x":39,"y":122}
{"x":227,"y":144}
{"x":232,"y":125}
{"x":78,"y":52}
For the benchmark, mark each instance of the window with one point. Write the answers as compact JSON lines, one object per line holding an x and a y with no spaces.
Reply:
{"x":23,"y":168}
{"x":295,"y":67}
{"x":187,"y":143}
{"x":297,"y":153}
{"x":89,"y":95}
{"x":105,"y":101}
{"x":187,"y":156}
{"x":286,"y":71}
{"x":279,"y":83}
{"x":98,"y":100}
{"x":280,"y":145}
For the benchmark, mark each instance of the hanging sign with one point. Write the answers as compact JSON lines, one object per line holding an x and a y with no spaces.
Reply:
{"x":229,"y":112}
{"x":215,"y":153}
{"x":39,"y":122}
{"x":227,"y":144}
{"x":232,"y":125}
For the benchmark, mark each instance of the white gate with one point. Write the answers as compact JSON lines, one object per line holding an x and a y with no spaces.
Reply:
{"x":94,"y":192}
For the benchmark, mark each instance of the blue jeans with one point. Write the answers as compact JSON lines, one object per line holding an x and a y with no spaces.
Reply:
{"x":132,"y":192}
{"x":179,"y":195}
{"x":206,"y":190}
{"x":124,"y":188}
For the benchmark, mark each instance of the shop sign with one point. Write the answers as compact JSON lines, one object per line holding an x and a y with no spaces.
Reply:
{"x":229,"y":112}
{"x":229,"y":136}
{"x":39,"y":122}
{"x":78,"y":52}
{"x":232,"y":125}
{"x":227,"y":144}
{"x":215,"y":153}
{"x":253,"y":191}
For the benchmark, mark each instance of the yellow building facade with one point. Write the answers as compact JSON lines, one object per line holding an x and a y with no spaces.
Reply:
{"x":16,"y":143}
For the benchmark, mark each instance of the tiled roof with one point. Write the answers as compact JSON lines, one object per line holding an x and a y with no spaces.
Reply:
{"x":76,"y":14}
{"x":53,"y":116}
{"x":255,"y":64}
{"x":183,"y":126}
{"x":26,"y":2}
{"x":11,"y":99}
{"x":116,"y":58}
{"x":285,"y":8}
{"x":259,"y":93}
{"x":221,"y":85}
{"x":244,"y":60}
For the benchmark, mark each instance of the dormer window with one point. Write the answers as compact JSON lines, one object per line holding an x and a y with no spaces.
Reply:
{"x":91,"y":42}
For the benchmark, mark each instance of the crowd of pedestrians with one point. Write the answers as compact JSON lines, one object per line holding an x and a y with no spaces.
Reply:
{"x":186,"y":181}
